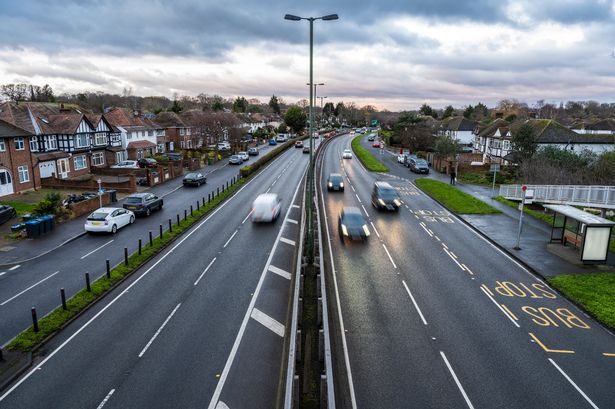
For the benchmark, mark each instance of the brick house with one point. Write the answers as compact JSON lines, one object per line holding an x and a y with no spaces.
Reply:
{"x":140,"y":136}
{"x":178,"y":132}
{"x":18,"y":172}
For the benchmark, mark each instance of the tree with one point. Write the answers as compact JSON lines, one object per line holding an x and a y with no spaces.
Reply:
{"x":282,"y":128}
{"x":274,"y":104}
{"x":177,"y":108}
{"x":218,"y":103}
{"x":446,"y":147}
{"x":468,"y":112}
{"x":428,"y":111}
{"x":240,"y":105}
{"x":339,"y":109}
{"x":295,"y":118}
{"x":448,"y":112}
{"x":14,"y":92}
{"x":524,"y":143}
{"x":480,"y":111}
{"x":328,"y":109}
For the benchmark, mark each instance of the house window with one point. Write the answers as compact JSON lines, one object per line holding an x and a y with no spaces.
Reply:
{"x":50,"y":142}
{"x":129,"y":135}
{"x":182,"y":144}
{"x":150,"y":133}
{"x":2,"y":145}
{"x":82,"y":141}
{"x":188,"y":131}
{"x":115,"y":138}
{"x":120,"y":156}
{"x":98,"y":159}
{"x":160,"y":148}
{"x":23,"y":174}
{"x":100,"y":138}
{"x":507,"y":145}
{"x":140,"y":154}
{"x":33,"y":144}
{"x":182,"y":131}
{"x":79,"y":162}
{"x":19,"y":144}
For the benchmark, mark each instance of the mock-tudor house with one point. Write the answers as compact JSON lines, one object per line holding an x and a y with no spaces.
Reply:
{"x":601,"y":126}
{"x":178,"y":133}
{"x":140,"y":136}
{"x":18,"y":173}
{"x":459,"y":128}
{"x":114,"y":153}
{"x":493,"y":141}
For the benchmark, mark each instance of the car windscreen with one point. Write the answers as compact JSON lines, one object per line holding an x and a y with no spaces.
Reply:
{"x":387,"y":193}
{"x":421,"y":163}
{"x":133,"y":200}
{"x":335,"y":179}
{"x":353,"y":219}
{"x":190,"y":176}
{"x":98,"y":216}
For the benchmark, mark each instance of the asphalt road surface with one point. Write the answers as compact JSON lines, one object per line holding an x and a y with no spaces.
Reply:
{"x":433,"y":316}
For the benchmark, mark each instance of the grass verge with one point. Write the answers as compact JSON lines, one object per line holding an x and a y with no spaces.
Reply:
{"x":367,"y":159}
{"x":55,"y":320}
{"x":453,"y":198}
{"x":20,"y":207}
{"x":594,"y":292}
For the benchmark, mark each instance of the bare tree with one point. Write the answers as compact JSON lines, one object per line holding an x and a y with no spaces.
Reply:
{"x":14,"y":92}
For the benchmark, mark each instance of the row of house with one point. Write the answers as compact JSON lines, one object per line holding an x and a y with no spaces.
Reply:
{"x":41,"y":140}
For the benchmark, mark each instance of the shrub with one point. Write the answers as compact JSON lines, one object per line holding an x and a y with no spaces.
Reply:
{"x":50,"y":204}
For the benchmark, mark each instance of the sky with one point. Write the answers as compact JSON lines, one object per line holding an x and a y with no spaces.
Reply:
{"x":393,"y":54}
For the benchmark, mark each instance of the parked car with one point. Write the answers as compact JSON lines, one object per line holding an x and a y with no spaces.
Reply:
{"x":306,"y":149}
{"x":401,"y":158}
{"x":335,"y":182}
{"x":6,"y":213}
{"x":280,"y":138}
{"x":143,"y":203}
{"x":408,"y":158}
{"x":108,"y":219}
{"x":352,"y":224}
{"x":253,"y":151}
{"x":376,"y":144}
{"x":419,"y":166}
{"x":148,"y":163}
{"x":243,"y":155}
{"x":266,"y":208}
{"x":347,"y":154}
{"x":130,"y":164}
{"x":194,"y":179}
{"x":224,"y":146}
{"x":235,"y":160}
{"x":384,"y":196}
{"x":173,"y":156}
{"x":299,"y":144}
{"x":272,"y":142}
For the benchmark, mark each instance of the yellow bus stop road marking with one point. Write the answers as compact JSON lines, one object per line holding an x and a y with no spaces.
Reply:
{"x":558,"y":351}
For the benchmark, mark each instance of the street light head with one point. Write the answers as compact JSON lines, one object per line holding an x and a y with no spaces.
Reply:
{"x":292,"y":17}
{"x":330,"y":17}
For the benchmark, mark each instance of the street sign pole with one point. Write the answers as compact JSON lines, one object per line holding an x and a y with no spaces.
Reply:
{"x":494,"y":168}
{"x":523,"y":189}
{"x":100,"y":192}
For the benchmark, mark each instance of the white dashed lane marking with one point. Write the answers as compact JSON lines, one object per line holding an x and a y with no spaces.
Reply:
{"x":280,"y":272}
{"x":267,"y":321}
{"x":287,"y":241}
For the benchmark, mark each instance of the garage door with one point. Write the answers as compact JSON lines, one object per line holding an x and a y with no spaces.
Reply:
{"x":6,"y":183}
{"x":47,"y":169}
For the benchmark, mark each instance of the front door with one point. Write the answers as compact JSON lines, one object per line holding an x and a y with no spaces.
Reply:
{"x":63,"y":168}
{"x":6,"y":183}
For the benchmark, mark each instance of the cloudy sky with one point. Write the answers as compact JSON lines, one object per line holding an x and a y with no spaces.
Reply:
{"x":395,"y":54}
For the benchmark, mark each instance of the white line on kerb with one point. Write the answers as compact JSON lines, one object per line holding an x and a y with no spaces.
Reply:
{"x":104,"y":401}
{"x":414,"y":302}
{"x":204,"y":271}
{"x":463,"y":392}
{"x":574,"y":384}
{"x":374,"y":227}
{"x":267,"y":321}
{"x":389,"y":254}
{"x":15,"y":267}
{"x":501,"y":309}
{"x":96,"y":249}
{"x":230,"y":238}
{"x":29,"y":288}
{"x":159,"y":330}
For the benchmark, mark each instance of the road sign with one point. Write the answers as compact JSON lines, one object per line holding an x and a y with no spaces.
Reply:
{"x":495,"y":167}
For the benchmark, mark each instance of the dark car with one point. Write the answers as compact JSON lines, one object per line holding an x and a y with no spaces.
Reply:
{"x":306,"y":149}
{"x":371,"y":138}
{"x":6,"y":213}
{"x":194,"y":179}
{"x":143,"y":203}
{"x":147,"y":163}
{"x":253,"y":151}
{"x":408,"y":158}
{"x":299,"y":144}
{"x":352,"y":224}
{"x":419,"y":166}
{"x":173,"y":156}
{"x":384,"y":196}
{"x":335,"y":182}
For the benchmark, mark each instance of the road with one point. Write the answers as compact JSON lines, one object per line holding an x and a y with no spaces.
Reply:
{"x":202,"y":324}
{"x":431,"y":315}
{"x":37,"y":283}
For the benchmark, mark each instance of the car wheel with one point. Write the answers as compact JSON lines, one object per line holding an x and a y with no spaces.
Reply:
{"x":148,"y":211}
{"x":132,"y":220}
{"x":114,"y":229}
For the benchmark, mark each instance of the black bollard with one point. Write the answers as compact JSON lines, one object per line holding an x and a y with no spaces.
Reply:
{"x":170,"y":227}
{"x":190,"y":210}
{"x":63,"y":297}
{"x":87,"y":282}
{"x":198,"y":205}
{"x":185,"y":214}
{"x":140,"y":246}
{"x":108,"y":268}
{"x":161,"y":231}
{"x":151,"y":239}
{"x":178,"y":218}
{"x":125,"y":256}
{"x":203,"y":200}
{"x":34,"y":320}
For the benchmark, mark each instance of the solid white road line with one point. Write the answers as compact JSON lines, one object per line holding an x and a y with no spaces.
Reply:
{"x":287,"y":241}
{"x":414,"y":302}
{"x":445,"y":246}
{"x":15,"y":267}
{"x":2,"y":273}
{"x":29,"y":288}
{"x":426,"y":230}
{"x":454,"y":259}
{"x":463,"y":392}
{"x":374,"y":227}
{"x":249,"y":214}
{"x":389,"y":254}
{"x":467,"y":269}
{"x":159,"y":330}
{"x":293,"y":221}
{"x":267,"y":321}
{"x":593,"y":405}
{"x":279,"y":271}
{"x":267,"y":191}
{"x":501,"y":309}
{"x":104,"y":401}
{"x":96,"y":249}
{"x":204,"y":271}
{"x":221,"y":405}
{"x":452,"y":254}
{"x":230,"y":238}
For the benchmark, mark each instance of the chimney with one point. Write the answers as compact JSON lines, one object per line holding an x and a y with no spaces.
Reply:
{"x":62,"y":109}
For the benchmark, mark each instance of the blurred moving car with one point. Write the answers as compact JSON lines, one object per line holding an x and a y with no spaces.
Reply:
{"x":143,"y":203}
{"x":347,"y":154}
{"x":194,"y":179}
{"x":306,"y":149}
{"x":352,"y":224}
{"x":148,"y":163}
{"x":253,"y":151}
{"x":299,"y":144}
{"x":419,"y":166}
{"x":6,"y":213}
{"x":371,"y":138}
{"x":243,"y":155}
{"x":376,"y":144}
{"x":335,"y":182}
{"x":235,"y":160}
{"x":384,"y":196}
{"x":266,"y":207}
{"x":108,"y":219}
{"x":130,"y":164}
{"x":273,"y":142}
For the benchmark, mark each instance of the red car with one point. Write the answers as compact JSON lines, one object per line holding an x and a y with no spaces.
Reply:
{"x":376,"y":144}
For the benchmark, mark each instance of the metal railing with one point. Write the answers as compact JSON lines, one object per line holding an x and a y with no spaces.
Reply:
{"x":576,"y":195}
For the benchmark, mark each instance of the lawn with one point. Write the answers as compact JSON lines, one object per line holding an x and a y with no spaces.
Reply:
{"x":453,"y":198}
{"x":595,"y":292}
{"x":367,"y":159}
{"x":20,"y":207}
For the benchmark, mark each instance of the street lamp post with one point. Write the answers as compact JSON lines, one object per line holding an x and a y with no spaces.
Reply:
{"x":313,"y":102}
{"x":99,"y":192}
{"x":310,"y":246}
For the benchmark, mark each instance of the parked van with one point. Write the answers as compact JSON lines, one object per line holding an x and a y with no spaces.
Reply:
{"x":266,"y":208}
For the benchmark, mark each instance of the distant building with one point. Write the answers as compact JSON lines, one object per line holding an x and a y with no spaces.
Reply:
{"x":460,"y":129}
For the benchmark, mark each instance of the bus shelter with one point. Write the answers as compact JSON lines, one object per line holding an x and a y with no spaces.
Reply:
{"x":589,"y":233}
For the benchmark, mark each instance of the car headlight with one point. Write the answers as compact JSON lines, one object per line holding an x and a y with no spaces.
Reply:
{"x":381,"y":202}
{"x":330,"y":184}
{"x":366,"y":230}
{"x":344,"y":230}
{"x":341,"y":184}
{"x":397,"y":202}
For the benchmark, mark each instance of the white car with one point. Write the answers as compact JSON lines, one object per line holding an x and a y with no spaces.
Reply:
{"x":126,"y":164}
{"x":347,"y":154}
{"x":108,"y":219}
{"x":266,"y":208}
{"x":401,"y":158}
{"x":243,"y":155}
